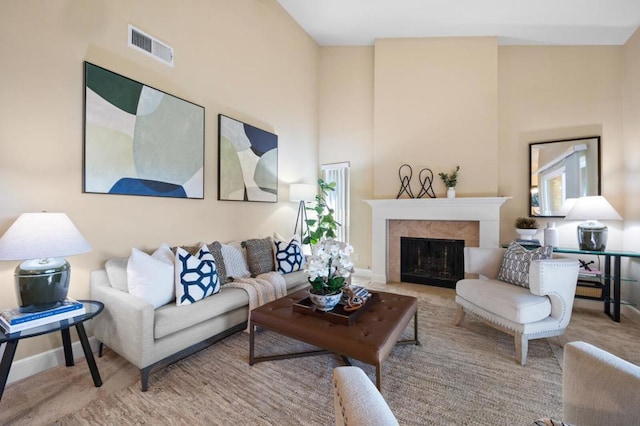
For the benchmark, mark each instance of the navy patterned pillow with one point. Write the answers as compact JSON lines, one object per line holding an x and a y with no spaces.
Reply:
{"x":288,"y":255}
{"x":196,"y":275}
{"x":516,"y":261}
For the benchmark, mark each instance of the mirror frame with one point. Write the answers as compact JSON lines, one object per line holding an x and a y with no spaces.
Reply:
{"x":569,"y":143}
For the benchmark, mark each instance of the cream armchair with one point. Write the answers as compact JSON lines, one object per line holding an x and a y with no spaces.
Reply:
{"x":598,"y":388}
{"x":543,"y":310}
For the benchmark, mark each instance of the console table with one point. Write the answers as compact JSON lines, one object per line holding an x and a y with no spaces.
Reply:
{"x":11,"y":340}
{"x":612,"y":260}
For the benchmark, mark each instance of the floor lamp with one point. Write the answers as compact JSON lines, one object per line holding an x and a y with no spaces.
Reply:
{"x":300,"y":193}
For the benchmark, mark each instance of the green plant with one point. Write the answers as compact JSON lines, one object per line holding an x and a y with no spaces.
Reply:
{"x":526,"y":223}
{"x":450,"y":180}
{"x":324,"y":225}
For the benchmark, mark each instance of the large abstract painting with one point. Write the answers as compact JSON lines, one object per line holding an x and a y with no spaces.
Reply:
{"x":139,"y":140}
{"x":248,"y":162}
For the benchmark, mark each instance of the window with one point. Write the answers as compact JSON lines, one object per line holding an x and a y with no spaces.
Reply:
{"x":338,"y":200}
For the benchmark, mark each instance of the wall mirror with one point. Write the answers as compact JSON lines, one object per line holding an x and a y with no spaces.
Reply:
{"x":561,"y":171}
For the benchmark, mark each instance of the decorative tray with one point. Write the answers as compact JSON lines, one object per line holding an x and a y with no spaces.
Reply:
{"x":337,"y":315}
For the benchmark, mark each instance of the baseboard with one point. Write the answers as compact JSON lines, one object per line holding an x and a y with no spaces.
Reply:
{"x":38,"y":363}
{"x":364,"y":273}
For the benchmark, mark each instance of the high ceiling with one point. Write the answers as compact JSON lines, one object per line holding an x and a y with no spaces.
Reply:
{"x":552,"y":22}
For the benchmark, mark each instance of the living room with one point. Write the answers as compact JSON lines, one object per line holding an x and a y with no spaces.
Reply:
{"x":432,"y":102}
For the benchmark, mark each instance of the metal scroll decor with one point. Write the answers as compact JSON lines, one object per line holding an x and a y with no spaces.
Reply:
{"x":405,"y":173}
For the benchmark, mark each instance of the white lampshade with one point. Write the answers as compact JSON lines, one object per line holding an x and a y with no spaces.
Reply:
{"x":42,"y":235}
{"x":302,"y":192}
{"x":592,"y":208}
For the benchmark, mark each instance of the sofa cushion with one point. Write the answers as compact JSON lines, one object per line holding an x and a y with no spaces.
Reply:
{"x":235,"y":261}
{"x":150,"y":277}
{"x":516,"y":261}
{"x":196,"y":275}
{"x":514,"y":303}
{"x":171,"y":319}
{"x":117,"y":272}
{"x":288,"y":255}
{"x":259,"y":255}
{"x":296,"y":279}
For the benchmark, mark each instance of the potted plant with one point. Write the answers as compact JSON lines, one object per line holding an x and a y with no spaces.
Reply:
{"x":526,"y":227}
{"x":450,"y":181}
{"x":329,"y":267}
{"x":324,"y":226}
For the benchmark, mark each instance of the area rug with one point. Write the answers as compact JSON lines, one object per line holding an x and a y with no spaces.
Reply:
{"x":464,"y":375}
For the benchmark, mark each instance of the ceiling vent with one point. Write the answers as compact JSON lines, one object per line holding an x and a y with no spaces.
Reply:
{"x":150,"y":45}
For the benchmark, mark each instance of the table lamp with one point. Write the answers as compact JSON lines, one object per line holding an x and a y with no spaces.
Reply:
{"x":302,"y":192}
{"x":592,"y":235}
{"x":42,"y":280}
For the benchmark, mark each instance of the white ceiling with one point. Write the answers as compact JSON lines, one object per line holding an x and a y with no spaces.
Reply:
{"x":554,"y":22}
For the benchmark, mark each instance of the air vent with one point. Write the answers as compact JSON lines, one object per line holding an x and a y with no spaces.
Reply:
{"x":150,"y":45}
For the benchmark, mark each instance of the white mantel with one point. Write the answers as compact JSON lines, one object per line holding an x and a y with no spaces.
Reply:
{"x":485,"y":210}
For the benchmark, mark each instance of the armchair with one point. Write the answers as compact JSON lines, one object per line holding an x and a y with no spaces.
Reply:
{"x":542,"y":310}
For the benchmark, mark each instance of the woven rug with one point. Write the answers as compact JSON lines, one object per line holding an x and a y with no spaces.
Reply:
{"x":464,"y":375}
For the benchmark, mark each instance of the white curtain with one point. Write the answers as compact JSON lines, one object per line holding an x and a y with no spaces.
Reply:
{"x":338,"y":200}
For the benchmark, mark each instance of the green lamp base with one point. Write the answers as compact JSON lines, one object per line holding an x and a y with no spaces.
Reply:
{"x":42,"y":284}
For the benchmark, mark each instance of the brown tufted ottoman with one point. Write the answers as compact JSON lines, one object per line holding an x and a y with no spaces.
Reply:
{"x":370,"y":339}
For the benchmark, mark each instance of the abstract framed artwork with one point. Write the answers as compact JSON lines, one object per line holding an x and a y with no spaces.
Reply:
{"x":139,"y":140}
{"x":248,"y":162}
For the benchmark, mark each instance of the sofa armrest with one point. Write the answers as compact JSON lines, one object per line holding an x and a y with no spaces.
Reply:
{"x":126,"y":324}
{"x":598,"y":388}
{"x":557,"y":279}
{"x":483,"y":261}
{"x":357,"y":401}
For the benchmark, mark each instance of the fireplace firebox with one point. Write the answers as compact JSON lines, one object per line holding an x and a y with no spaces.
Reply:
{"x":438,"y":262}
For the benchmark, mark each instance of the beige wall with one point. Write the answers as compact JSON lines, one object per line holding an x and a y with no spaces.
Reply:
{"x":436,"y":106}
{"x":548,"y":93}
{"x":246,"y":58}
{"x":346,"y":132}
{"x":631,"y":158}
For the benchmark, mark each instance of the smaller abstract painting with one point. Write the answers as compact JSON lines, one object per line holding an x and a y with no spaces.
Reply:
{"x":139,"y":140}
{"x":248,"y":162}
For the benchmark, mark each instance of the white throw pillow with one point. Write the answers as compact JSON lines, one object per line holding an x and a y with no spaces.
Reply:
{"x":196,"y":275}
{"x":235,"y":261}
{"x":151,"y":277}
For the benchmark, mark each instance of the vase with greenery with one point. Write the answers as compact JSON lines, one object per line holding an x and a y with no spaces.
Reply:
{"x":324,"y":224}
{"x":450,"y":180}
{"x":526,"y":227}
{"x":328,"y":267}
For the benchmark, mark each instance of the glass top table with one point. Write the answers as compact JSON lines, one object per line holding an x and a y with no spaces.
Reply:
{"x":92,"y":308}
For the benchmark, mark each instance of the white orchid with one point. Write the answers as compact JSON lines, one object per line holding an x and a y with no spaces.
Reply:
{"x":329,"y":265}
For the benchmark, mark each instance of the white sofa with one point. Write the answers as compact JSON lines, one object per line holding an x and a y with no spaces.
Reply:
{"x":150,"y":338}
{"x":543,"y":310}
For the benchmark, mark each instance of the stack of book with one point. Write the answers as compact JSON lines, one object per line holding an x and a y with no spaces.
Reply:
{"x":12,"y":320}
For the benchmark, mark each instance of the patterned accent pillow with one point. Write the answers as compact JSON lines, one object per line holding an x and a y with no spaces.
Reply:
{"x":259,"y":255}
{"x":516,"y":261}
{"x":234,"y":261}
{"x":216,"y":250}
{"x":196,"y":275}
{"x":288,"y":255}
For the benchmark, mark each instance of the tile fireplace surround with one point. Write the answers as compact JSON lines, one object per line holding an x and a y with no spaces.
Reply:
{"x":483,"y":210}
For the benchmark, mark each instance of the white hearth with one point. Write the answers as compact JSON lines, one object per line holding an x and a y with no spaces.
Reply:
{"x":484,"y":210}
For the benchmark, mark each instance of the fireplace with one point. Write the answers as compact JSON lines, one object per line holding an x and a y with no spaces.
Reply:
{"x":484,"y":212}
{"x":432,"y":261}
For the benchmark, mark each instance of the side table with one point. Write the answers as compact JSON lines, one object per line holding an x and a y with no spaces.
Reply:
{"x":92,"y":308}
